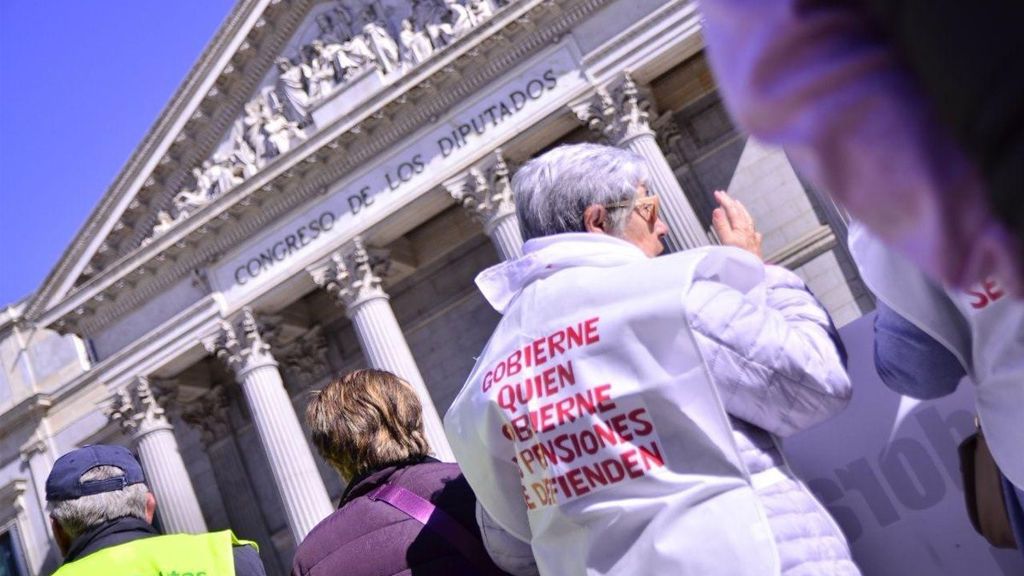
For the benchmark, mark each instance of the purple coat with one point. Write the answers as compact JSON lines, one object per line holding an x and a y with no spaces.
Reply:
{"x":371,"y":538}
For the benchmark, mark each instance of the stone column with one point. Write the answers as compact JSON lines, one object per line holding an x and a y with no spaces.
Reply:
{"x":38,"y":455}
{"x":378,"y":331}
{"x":141,"y":417}
{"x":210,"y":415}
{"x":291,"y":461}
{"x":486,"y":192}
{"x":622,"y":120}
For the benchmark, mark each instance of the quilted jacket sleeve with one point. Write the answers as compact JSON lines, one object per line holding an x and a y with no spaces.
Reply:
{"x":771,"y":350}
{"x":508,"y":552}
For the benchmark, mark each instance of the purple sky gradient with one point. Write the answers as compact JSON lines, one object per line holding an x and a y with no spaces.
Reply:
{"x":80,"y":84}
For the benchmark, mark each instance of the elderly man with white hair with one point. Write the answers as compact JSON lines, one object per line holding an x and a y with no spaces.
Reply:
{"x":102,"y":516}
{"x":623,"y":417}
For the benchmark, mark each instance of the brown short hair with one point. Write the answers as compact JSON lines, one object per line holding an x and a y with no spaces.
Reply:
{"x":365,"y":420}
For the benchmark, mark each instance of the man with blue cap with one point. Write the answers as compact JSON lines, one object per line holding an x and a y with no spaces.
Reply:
{"x":102,"y":515}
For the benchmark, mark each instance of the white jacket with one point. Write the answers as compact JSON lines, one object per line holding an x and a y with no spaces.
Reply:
{"x":982,"y":326}
{"x":590,"y":426}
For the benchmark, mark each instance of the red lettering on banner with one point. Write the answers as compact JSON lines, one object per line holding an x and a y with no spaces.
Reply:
{"x":988,"y":292}
{"x":529,"y":503}
{"x":569,"y":446}
{"x":570,"y":439}
{"x":555,"y":343}
{"x":632,"y":463}
{"x":591,"y":334}
{"x":547,"y":383}
{"x":548,"y":416}
{"x":543,"y":350}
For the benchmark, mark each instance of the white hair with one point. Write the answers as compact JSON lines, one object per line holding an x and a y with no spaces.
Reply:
{"x":552,"y":191}
{"x":80,"y":514}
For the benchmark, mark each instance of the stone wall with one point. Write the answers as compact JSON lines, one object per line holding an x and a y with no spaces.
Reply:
{"x":447,"y":321}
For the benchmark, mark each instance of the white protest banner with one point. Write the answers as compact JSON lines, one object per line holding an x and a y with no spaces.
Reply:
{"x":887,"y":469}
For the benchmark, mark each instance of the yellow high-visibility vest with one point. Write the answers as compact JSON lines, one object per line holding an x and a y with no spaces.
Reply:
{"x":170,"y":555}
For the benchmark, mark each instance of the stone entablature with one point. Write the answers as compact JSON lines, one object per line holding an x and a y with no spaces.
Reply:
{"x":417,"y":98}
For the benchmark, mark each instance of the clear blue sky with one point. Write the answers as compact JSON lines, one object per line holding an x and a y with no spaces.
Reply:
{"x":80,"y":84}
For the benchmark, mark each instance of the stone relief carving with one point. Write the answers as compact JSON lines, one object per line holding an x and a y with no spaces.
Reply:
{"x":386,"y":37}
{"x":304,"y":360}
{"x":210,"y":414}
{"x":416,"y":44}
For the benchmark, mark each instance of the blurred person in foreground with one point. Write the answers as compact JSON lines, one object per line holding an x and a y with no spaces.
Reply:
{"x":623,"y":417}
{"x":402,"y":512}
{"x":927,"y":338}
{"x":102,"y":516}
{"x":911,"y":114}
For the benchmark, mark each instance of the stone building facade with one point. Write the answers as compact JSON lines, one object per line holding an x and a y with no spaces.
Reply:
{"x":318,"y":196}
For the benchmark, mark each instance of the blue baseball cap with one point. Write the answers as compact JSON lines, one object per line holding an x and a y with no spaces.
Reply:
{"x":64,"y":484}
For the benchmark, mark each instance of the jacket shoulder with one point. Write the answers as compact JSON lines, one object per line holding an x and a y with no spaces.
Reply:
{"x":340,"y":542}
{"x":247,"y":561}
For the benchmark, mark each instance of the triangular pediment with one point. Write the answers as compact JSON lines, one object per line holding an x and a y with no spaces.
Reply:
{"x":273,"y":76}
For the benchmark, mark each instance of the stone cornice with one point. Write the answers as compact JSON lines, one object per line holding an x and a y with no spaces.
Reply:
{"x":11,"y":495}
{"x":154,"y":144}
{"x":337,"y":150}
{"x":33,"y":408}
{"x":148,"y":354}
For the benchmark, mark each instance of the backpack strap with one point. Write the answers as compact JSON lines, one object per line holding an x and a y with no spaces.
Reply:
{"x":436,"y":519}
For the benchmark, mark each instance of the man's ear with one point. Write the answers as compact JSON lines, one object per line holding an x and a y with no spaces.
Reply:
{"x":150,"y":507}
{"x":63,"y":542}
{"x":595,"y":219}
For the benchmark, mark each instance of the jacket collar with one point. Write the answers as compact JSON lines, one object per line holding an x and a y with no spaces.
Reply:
{"x":545,"y":256}
{"x":113,"y":533}
{"x":367,"y":481}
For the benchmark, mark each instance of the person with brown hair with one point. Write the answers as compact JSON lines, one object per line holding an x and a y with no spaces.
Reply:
{"x":402,"y":511}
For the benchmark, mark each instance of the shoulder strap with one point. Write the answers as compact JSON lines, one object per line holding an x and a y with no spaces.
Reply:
{"x":436,"y":519}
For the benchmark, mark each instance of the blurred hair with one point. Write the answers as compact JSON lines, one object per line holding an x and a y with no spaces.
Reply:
{"x":80,"y":514}
{"x":552,"y":191}
{"x":366,"y":420}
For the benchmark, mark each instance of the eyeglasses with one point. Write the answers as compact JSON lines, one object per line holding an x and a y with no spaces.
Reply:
{"x":646,"y":206}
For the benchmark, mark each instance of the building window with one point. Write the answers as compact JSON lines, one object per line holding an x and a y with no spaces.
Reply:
{"x":12,"y":563}
{"x":16,"y":551}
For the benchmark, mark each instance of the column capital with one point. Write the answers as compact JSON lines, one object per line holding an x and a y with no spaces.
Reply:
{"x":485,"y":191}
{"x":332,"y":275}
{"x":210,"y":415}
{"x":241,"y":348}
{"x":617,"y":115}
{"x":352,"y":280}
{"x":137,"y":409}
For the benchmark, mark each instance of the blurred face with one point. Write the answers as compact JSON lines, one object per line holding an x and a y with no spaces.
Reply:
{"x":643,"y":227}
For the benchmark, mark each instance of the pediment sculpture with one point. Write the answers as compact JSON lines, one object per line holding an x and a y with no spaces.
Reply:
{"x":386,"y":37}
